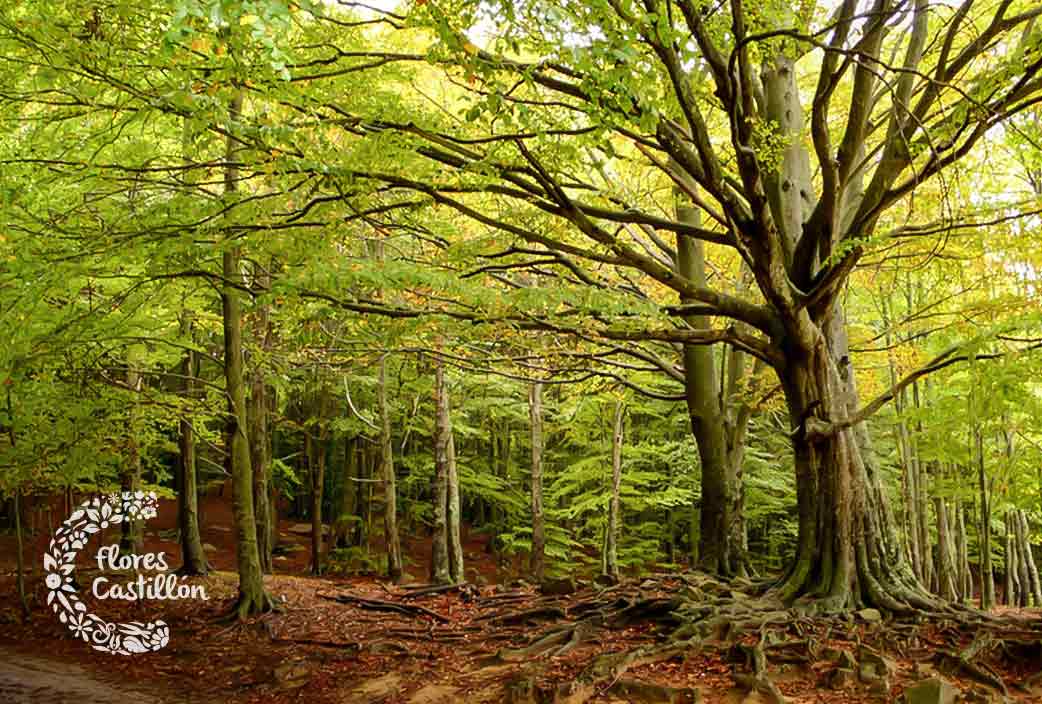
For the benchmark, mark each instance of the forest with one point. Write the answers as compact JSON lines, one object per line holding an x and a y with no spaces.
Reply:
{"x":532,"y":351}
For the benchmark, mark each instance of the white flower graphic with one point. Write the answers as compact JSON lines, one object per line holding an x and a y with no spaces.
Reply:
{"x":60,"y":561}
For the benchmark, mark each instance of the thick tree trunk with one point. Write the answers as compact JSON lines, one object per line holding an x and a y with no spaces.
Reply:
{"x":193,"y":557}
{"x":252,"y":597}
{"x":535,"y":412}
{"x":394,"y":549}
{"x":610,"y":563}
{"x":442,"y":432}
{"x":847,"y":549}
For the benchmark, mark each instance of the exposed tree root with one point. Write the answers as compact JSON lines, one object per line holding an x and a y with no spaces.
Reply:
{"x":246,"y":607}
{"x":380,"y":605}
{"x":691,"y":613}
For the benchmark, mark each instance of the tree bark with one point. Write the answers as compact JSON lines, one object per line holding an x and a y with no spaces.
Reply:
{"x":252,"y":597}
{"x":987,"y":592}
{"x":963,"y":552}
{"x":716,"y":550}
{"x":394,"y":550}
{"x":260,"y":435}
{"x":453,"y":514}
{"x":847,"y":550}
{"x":440,"y":573}
{"x":23,"y":601}
{"x":945,"y":568}
{"x":132,"y":533}
{"x":535,"y":413}
{"x":1029,"y":559}
{"x":1023,"y":571}
{"x":923,"y":498}
{"x":1010,"y":555}
{"x":316,"y":451}
{"x":193,"y":557}
{"x":610,"y":563}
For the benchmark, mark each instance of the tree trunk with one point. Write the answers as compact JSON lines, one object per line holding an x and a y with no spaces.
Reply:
{"x":847,"y":552}
{"x":610,"y":563}
{"x":260,"y":434}
{"x":963,"y":552}
{"x":19,"y":537}
{"x":1010,"y":554}
{"x":442,"y":432}
{"x":1029,"y":559}
{"x":453,"y":517}
{"x":535,"y":413}
{"x":23,"y":600}
{"x":344,"y":523}
{"x":132,"y":533}
{"x":394,"y":549}
{"x":252,"y":597}
{"x":923,"y":498}
{"x":702,"y":394}
{"x":1023,"y":572}
{"x":193,"y":557}
{"x":987,"y":591}
{"x":316,"y":450}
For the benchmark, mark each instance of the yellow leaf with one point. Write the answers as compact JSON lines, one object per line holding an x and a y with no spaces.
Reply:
{"x":247,"y":19}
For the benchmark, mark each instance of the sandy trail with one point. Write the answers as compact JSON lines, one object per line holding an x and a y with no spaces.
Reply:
{"x":28,"y":679}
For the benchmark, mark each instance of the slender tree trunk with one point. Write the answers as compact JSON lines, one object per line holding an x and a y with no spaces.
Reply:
{"x":316,"y":450}
{"x":1010,"y":555}
{"x":923,"y":498}
{"x":1023,"y":570}
{"x":344,"y":525}
{"x":535,"y":412}
{"x":962,"y":546}
{"x":610,"y":563}
{"x":23,"y":600}
{"x":193,"y":557}
{"x":260,"y":434}
{"x":987,"y":592}
{"x":132,"y":533}
{"x":453,"y":514}
{"x":440,"y":544}
{"x":394,"y":549}
{"x":1029,"y":558}
{"x":945,"y":569}
{"x":19,"y":537}
{"x":252,"y":597}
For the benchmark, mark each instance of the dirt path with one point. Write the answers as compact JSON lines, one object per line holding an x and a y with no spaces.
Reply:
{"x":28,"y":679}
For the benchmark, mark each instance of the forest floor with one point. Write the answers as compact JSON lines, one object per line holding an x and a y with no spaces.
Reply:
{"x":361,"y":640}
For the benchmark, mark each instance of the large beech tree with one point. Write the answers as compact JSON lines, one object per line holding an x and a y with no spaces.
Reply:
{"x":798,"y":183}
